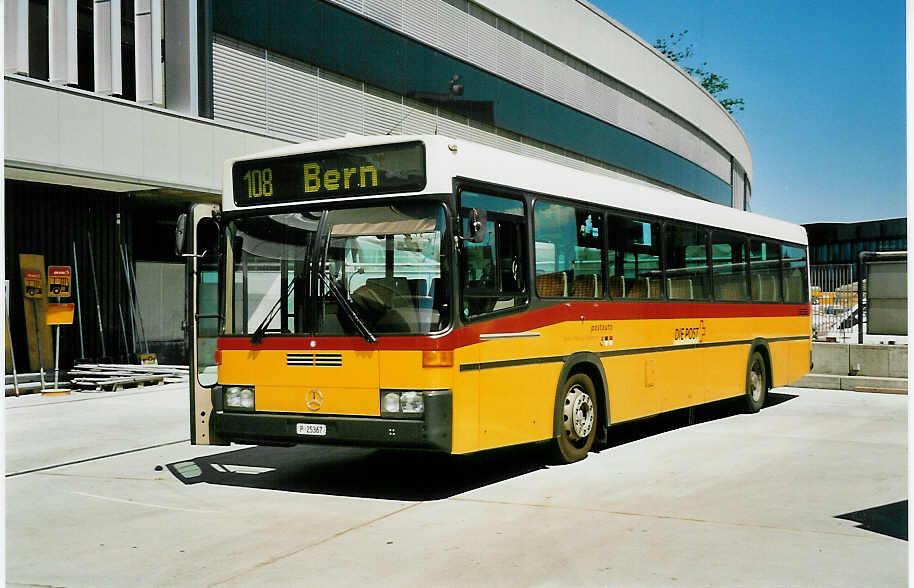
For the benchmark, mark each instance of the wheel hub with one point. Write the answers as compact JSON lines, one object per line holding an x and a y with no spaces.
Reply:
{"x":578,"y":413}
{"x":755,"y":383}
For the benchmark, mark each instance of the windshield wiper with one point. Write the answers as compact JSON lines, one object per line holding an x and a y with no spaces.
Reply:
{"x":257,"y":335}
{"x":346,"y":306}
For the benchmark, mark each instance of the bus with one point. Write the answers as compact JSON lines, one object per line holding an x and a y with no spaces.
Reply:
{"x":425,"y":292}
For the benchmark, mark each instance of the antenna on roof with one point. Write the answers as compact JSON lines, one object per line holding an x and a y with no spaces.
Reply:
{"x":398,"y":123}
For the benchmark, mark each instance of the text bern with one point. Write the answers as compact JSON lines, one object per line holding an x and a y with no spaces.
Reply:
{"x":331,"y":179}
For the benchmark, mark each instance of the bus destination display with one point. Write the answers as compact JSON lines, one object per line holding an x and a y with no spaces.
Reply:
{"x":380,"y":169}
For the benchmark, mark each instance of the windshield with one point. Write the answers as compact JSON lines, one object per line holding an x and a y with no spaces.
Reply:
{"x":385,"y":263}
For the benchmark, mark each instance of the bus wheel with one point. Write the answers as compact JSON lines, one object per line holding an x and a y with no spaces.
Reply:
{"x":756,"y":383}
{"x":577,"y":420}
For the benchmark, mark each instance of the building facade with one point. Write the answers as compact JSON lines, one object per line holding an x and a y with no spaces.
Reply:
{"x":841,"y":243}
{"x":119,"y":113}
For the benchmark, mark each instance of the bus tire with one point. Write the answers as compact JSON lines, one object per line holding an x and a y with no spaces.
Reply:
{"x":577,"y":419}
{"x":756,"y":382}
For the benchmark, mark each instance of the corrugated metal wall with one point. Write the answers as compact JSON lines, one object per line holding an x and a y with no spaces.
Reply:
{"x":244,"y":99}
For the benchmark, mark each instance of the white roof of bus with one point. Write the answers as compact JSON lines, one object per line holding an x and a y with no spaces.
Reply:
{"x":492,"y":165}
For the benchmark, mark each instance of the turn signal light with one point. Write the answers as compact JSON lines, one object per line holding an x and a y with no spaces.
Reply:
{"x":217,"y":357}
{"x":437,"y":359}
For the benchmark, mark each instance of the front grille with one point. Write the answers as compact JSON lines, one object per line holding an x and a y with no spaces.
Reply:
{"x":315,"y":359}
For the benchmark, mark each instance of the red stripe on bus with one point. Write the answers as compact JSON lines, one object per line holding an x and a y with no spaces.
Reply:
{"x":517,"y":323}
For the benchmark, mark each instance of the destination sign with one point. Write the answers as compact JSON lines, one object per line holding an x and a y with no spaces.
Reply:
{"x":380,"y":169}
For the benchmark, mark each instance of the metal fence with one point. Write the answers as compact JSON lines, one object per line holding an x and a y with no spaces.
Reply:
{"x":834,"y":302}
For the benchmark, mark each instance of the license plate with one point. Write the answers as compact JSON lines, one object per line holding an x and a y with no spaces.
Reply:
{"x":310,"y":429}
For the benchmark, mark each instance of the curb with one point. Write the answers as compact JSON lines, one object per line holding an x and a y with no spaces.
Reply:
{"x":867,"y":384}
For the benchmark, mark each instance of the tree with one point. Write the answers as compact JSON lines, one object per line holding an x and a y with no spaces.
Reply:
{"x":677,"y":51}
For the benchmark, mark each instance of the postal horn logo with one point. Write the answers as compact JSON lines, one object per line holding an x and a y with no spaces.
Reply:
{"x":315,"y":399}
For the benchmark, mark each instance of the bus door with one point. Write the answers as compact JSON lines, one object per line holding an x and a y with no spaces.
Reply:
{"x":494,"y":267}
{"x":204,"y":316}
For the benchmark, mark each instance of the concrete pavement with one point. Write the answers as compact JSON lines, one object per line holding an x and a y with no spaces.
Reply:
{"x":732,"y":500}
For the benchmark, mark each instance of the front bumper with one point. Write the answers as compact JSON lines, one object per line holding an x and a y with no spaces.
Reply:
{"x":433,"y":431}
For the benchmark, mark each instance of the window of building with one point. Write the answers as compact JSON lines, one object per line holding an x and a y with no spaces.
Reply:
{"x":634,"y":253}
{"x":747,"y":196}
{"x":796,"y":287}
{"x":569,"y":244}
{"x":729,"y":256}
{"x":686,"y":262}
{"x":494,"y":271}
{"x":764,"y":274}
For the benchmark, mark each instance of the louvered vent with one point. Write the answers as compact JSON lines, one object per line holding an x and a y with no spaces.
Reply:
{"x":239,"y":82}
{"x":292,"y":98}
{"x":315,"y":359}
{"x":420,"y":19}
{"x":340,"y":106}
{"x":453,"y":29}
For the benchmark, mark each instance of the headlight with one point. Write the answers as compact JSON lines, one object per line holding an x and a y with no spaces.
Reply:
{"x":239,"y":397}
{"x":411,"y":402}
{"x":391,"y":402}
{"x":406,"y":403}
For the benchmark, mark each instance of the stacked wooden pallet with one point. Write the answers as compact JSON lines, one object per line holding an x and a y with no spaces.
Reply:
{"x":120,"y":376}
{"x":99,"y":377}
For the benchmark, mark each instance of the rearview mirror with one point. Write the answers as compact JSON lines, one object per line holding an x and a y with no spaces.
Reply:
{"x":180,"y":234}
{"x":476,"y":226}
{"x":207,"y":237}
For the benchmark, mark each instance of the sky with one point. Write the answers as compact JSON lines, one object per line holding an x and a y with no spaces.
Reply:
{"x":824,"y":86}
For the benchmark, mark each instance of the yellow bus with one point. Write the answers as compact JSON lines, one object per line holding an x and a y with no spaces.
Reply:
{"x":432,"y":293}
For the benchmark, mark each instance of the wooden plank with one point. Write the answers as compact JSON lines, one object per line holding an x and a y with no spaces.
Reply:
{"x":118,"y":380}
{"x":28,"y":261}
{"x":100,"y":373}
{"x":25,"y":378}
{"x":133,"y":366}
{"x":126,"y":369}
{"x":27,"y":388}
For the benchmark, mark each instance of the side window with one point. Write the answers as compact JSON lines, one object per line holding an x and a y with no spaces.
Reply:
{"x":494,"y":271}
{"x":764,"y":274}
{"x":796,"y":287}
{"x":635,"y":258}
{"x":729,"y":255}
{"x":568,"y":251}
{"x":686,"y":261}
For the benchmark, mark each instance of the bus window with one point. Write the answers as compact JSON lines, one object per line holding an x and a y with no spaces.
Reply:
{"x":494,"y":270}
{"x":764,"y":274}
{"x":686,"y":262}
{"x":796,"y":287}
{"x":269,"y":254}
{"x":388,"y":262}
{"x":570,"y":240}
{"x":636,"y":247}
{"x":729,"y":254}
